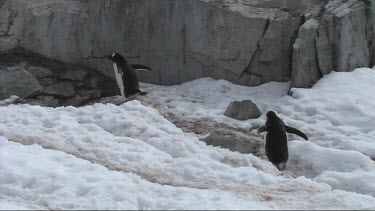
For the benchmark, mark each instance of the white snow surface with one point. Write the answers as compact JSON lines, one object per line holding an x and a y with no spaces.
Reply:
{"x":130,"y":157}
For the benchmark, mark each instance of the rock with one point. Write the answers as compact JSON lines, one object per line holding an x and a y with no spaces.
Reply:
{"x":40,"y":72}
{"x":45,"y":101}
{"x":268,"y":62}
{"x":234,"y":143}
{"x":7,"y":43}
{"x":76,"y":101}
{"x":11,"y":100}
{"x":343,"y":37}
{"x":92,"y":93}
{"x":248,"y":42}
{"x":62,"y":89}
{"x":108,"y":87}
{"x":17,"y":81}
{"x":305,"y":71}
{"x":78,"y":75}
{"x":243,"y":110}
{"x":204,"y":40}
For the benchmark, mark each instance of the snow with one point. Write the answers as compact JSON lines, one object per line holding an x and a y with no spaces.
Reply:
{"x":105,"y":156}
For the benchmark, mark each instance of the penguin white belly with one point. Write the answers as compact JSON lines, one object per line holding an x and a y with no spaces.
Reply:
{"x":120,"y":82}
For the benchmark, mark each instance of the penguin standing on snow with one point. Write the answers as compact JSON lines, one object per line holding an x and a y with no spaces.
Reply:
{"x":276,"y":139}
{"x":126,"y":77}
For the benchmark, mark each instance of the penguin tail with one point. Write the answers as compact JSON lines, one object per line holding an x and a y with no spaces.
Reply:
{"x":143,"y":93}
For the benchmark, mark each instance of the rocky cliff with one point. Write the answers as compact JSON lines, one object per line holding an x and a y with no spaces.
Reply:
{"x":248,"y":42}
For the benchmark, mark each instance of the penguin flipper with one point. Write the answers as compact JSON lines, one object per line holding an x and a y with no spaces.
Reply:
{"x":296,"y":131}
{"x":262,"y":129}
{"x":137,"y":67}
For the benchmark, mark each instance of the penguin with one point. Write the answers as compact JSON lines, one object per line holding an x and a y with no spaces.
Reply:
{"x":276,"y":139}
{"x":126,"y":77}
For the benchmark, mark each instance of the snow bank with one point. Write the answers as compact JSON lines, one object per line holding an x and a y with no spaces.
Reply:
{"x":129,"y":156}
{"x":309,"y":159}
{"x":337,"y":114}
{"x":61,"y":181}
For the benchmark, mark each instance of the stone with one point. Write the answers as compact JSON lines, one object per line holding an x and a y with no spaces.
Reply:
{"x":76,"y":101}
{"x":92,"y":93}
{"x":43,"y":100}
{"x":344,"y":28}
{"x":17,"y":81}
{"x":233,"y":143}
{"x":305,"y":69}
{"x":243,"y":110}
{"x":204,"y":40}
{"x":62,"y":89}
{"x":39,"y":72}
{"x":77,"y":75}
{"x":11,"y":100}
{"x":8,"y":44}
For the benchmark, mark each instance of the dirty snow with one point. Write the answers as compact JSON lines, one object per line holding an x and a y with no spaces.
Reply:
{"x":130,"y":157}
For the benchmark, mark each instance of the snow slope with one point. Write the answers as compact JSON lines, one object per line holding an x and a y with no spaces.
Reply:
{"x":130,"y":157}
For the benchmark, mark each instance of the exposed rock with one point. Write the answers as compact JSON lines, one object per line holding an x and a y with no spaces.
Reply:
{"x":62,"y":89}
{"x":45,"y":101}
{"x":305,"y":71}
{"x":77,"y":75}
{"x":203,"y":40}
{"x":76,"y":101}
{"x":270,"y":61}
{"x":247,"y":42}
{"x":11,"y":100}
{"x":39,"y":72}
{"x":92,"y":93}
{"x":342,"y":36}
{"x":17,"y":81}
{"x":243,"y":110}
{"x":7,"y":43}
{"x":234,"y":143}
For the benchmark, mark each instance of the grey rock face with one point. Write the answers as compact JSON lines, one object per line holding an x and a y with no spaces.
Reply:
{"x":305,"y":70}
{"x":243,"y":110}
{"x":76,"y":101}
{"x":180,"y":40}
{"x":93,"y":93}
{"x":62,"y":89}
{"x":77,"y":75}
{"x":17,"y":81}
{"x":248,"y":42}
{"x":342,"y":36}
{"x":39,"y":72}
{"x":45,"y":101}
{"x":343,"y":41}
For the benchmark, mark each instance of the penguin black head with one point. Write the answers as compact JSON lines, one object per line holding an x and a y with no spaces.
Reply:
{"x":116,"y":57}
{"x":271,"y":114}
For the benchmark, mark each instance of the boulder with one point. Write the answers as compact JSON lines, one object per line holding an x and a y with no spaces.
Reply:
{"x":17,"y":81}
{"x":39,"y":72}
{"x":77,"y":101}
{"x":62,"y":89}
{"x":305,"y":70}
{"x":243,"y":110}
{"x":45,"y":101}
{"x":77,"y":75}
{"x":92,"y":93}
{"x":342,"y":42}
{"x":204,"y":40}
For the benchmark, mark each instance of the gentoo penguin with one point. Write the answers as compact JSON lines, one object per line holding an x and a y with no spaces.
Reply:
{"x":276,"y":139}
{"x":126,"y":77}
